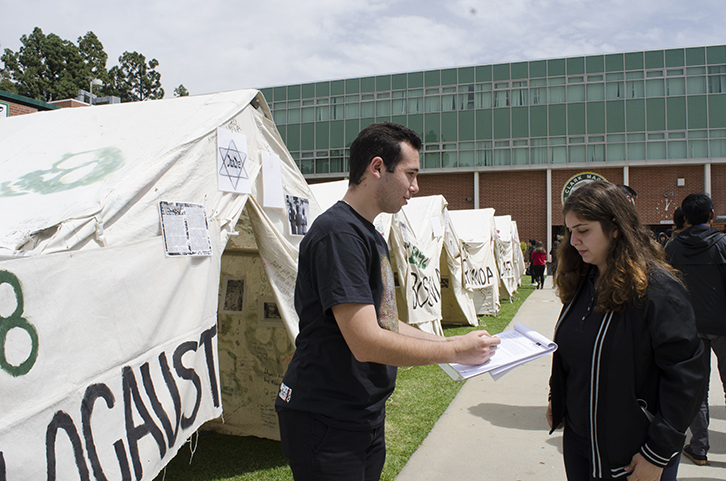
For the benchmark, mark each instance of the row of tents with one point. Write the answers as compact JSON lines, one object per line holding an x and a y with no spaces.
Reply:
{"x":147,"y":267}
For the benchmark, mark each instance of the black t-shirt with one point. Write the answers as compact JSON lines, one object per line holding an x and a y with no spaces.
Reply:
{"x":343,"y":259}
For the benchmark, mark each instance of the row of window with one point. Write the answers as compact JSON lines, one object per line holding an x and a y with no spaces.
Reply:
{"x":491,"y":154}
{"x":632,"y":117}
{"x":481,"y":99}
{"x":696,"y":60}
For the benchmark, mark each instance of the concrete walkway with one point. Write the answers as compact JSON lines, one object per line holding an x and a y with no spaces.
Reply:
{"x":497,"y":430}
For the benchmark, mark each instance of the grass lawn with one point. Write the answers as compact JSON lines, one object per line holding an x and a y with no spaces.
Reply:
{"x":422,"y":395}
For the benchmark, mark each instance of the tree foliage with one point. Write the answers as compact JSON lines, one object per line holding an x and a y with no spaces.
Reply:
{"x":134,"y":79}
{"x":49,"y":68}
{"x":45,"y":67}
{"x":181,"y":91}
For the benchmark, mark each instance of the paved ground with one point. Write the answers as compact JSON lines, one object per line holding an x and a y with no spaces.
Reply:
{"x":497,"y":430}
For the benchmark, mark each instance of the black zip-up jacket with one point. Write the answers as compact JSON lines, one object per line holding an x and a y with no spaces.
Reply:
{"x":647,"y":379}
{"x":699,"y":252}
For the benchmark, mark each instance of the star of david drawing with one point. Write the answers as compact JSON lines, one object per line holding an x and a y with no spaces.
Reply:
{"x":233,"y":164}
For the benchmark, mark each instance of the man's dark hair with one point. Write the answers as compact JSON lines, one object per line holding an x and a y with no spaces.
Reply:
{"x":629,"y":191}
{"x":379,"y":140}
{"x":697,"y":208}
{"x":679,"y":219}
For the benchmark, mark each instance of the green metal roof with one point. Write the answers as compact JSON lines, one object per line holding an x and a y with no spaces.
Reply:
{"x":19,"y":99}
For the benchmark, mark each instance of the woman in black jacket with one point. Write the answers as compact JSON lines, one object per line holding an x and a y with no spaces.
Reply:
{"x":628,"y":376}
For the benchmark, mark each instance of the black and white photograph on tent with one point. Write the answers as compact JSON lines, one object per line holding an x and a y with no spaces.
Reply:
{"x":185,"y":229}
{"x":234,"y":295}
{"x":298,"y":210}
{"x":268,"y":314}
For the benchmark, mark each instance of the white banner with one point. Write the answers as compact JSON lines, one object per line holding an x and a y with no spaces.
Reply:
{"x":109,"y":361}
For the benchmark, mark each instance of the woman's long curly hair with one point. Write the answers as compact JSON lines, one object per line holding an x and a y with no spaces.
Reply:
{"x":632,"y":255}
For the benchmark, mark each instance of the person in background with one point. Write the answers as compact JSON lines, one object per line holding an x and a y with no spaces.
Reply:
{"x":662,"y":238}
{"x":528,"y":259}
{"x":699,"y":252}
{"x":331,"y":404}
{"x":539,"y":261}
{"x":627,"y":377}
{"x":629,"y":193}
{"x":678,"y":224}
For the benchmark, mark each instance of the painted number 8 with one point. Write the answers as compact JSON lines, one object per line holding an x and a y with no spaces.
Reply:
{"x":15,"y":320}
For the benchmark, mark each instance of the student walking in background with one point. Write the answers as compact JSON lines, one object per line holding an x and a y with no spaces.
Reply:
{"x":699,"y":252}
{"x":627,"y":378}
{"x":539,"y":262}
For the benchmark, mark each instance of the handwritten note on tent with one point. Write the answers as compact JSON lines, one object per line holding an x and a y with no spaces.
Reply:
{"x":518,"y":346}
{"x":185,"y":229}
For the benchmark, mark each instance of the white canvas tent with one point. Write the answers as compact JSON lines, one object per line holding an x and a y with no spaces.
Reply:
{"x":505,"y":256}
{"x":477,"y":231}
{"x":328,"y":193}
{"x":110,"y":346}
{"x":518,"y":256}
{"x":424,"y":252}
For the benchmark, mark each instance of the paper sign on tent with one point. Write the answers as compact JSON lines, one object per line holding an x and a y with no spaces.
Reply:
{"x":272,"y":181}
{"x":233,"y":168}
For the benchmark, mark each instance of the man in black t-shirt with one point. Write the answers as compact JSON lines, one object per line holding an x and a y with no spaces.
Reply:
{"x":331,"y":403}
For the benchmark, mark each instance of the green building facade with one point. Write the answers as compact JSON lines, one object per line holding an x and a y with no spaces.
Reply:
{"x":636,"y":106}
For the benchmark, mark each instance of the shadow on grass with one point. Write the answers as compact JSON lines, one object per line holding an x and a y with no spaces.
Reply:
{"x":224,"y":457}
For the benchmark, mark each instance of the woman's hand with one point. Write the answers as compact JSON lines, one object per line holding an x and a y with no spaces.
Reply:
{"x":643,"y":470}
{"x":548,"y":415}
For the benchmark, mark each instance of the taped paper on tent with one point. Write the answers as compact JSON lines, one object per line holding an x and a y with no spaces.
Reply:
{"x":233,"y":291}
{"x":233,"y":171}
{"x":185,"y":229}
{"x":272,"y":181}
{"x":298,"y":213}
{"x":268,"y":314}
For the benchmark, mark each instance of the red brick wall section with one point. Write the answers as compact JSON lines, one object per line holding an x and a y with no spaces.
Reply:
{"x":18,"y":109}
{"x":718,"y":191}
{"x":456,"y":188}
{"x":658,"y":191}
{"x":520,"y":194}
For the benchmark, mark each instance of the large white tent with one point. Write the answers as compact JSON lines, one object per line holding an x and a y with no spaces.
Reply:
{"x":518,"y":256}
{"x":113,"y":224}
{"x":506,"y":255}
{"x":426,"y":256}
{"x":477,"y":231}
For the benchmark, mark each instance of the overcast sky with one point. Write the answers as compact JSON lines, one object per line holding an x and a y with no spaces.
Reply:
{"x":214,"y":45}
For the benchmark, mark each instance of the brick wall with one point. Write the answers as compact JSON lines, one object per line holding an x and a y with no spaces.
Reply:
{"x":19,"y":109}
{"x":456,"y":188}
{"x":522,"y":194}
{"x":658,"y":192}
{"x":718,"y":190}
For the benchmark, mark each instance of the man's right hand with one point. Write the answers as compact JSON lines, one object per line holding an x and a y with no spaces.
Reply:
{"x":475,"y":348}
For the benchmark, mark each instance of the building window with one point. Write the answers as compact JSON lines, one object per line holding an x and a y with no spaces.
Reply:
{"x":716,"y":84}
{"x":501,"y":98}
